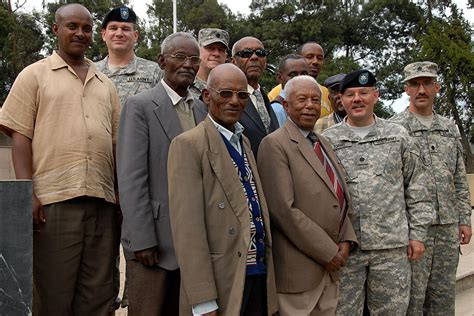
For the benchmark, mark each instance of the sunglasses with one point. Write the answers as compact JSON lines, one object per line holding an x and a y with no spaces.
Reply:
{"x":247,"y":53}
{"x":181,"y":58}
{"x":227,"y":94}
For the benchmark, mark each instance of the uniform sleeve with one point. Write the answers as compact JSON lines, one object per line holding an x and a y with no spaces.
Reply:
{"x":420,"y":212}
{"x":463,"y":198}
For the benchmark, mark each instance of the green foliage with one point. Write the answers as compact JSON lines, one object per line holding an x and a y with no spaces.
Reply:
{"x":20,"y":45}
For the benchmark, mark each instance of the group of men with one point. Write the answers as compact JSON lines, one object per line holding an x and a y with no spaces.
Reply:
{"x":232,"y":204}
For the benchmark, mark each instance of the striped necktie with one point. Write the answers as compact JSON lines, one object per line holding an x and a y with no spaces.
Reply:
{"x":335,"y":179}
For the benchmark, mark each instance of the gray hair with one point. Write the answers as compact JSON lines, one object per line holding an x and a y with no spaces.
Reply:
{"x":166,"y":44}
{"x":292,"y":84}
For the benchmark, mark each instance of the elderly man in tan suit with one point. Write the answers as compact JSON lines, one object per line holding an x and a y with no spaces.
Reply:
{"x":219,"y":217}
{"x":308,"y":202}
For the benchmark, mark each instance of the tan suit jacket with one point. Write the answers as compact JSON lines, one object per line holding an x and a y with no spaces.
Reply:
{"x":303,"y":207}
{"x":210,"y":221}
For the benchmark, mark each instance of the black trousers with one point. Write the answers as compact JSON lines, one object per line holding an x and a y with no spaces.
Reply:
{"x":254,"y":301}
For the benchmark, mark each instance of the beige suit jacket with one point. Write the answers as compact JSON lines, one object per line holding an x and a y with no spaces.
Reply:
{"x":303,"y":207}
{"x":210,"y":221}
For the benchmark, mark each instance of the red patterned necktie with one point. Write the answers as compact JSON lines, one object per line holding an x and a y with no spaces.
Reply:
{"x":336,"y":185}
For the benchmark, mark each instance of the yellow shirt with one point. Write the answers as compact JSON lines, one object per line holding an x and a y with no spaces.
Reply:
{"x":72,"y":127}
{"x":326,"y":108}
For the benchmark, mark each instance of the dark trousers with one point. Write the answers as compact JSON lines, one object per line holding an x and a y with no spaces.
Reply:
{"x":152,"y":291}
{"x":254,"y":300}
{"x":73,"y":254}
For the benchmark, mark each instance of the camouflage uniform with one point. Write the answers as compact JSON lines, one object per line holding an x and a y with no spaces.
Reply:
{"x":390,"y":206}
{"x":140,"y":74}
{"x":434,"y":276}
{"x":197,"y":86}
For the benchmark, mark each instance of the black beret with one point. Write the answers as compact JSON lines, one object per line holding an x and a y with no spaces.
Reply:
{"x":122,"y":14}
{"x":358,"y":78}
{"x":334,"y":80}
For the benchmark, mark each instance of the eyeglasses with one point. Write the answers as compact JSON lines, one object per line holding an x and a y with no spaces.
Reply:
{"x":227,"y":94}
{"x":425,"y":84}
{"x":247,"y":53}
{"x":181,"y":58}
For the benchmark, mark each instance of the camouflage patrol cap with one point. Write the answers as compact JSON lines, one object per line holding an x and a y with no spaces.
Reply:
{"x":209,"y":36}
{"x":420,"y":69}
{"x":358,"y":78}
{"x":121,"y":14}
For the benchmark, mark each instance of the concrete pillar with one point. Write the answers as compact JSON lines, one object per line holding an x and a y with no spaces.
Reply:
{"x":16,"y":248}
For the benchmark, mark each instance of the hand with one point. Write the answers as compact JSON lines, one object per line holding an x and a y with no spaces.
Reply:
{"x":415,"y":249}
{"x":213,"y":313}
{"x":465,"y":234}
{"x":147,"y":257}
{"x":38,"y":214}
{"x":344,"y":248}
{"x":336,"y":263}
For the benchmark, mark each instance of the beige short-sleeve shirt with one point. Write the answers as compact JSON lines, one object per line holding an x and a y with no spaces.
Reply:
{"x":72,"y":126}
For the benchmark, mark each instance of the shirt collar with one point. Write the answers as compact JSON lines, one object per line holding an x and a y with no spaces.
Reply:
{"x":175,"y":97}
{"x":302,"y":131}
{"x":229,"y":135}
{"x":250,"y":89}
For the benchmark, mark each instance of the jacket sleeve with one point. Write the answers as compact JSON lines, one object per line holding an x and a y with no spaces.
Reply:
{"x":187,"y":216}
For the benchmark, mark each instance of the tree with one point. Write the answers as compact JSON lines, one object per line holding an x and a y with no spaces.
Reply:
{"x":21,"y":40}
{"x":447,"y":42}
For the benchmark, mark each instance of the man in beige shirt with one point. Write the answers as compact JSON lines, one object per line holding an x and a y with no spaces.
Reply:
{"x":62,"y":115}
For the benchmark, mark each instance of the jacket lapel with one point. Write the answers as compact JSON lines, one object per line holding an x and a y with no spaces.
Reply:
{"x":308,"y":153}
{"x":252,"y":113}
{"x":221,"y":164}
{"x":165,"y":112}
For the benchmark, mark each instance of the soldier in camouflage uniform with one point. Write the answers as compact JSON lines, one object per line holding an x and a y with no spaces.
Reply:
{"x":433,"y":286}
{"x":213,"y":47}
{"x":391,"y":206}
{"x":131,"y":74}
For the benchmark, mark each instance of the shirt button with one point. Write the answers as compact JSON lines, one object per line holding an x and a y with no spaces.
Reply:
{"x":231,"y":231}
{"x":239,"y":254}
{"x":253,"y":199}
{"x":89,"y":137}
{"x":246,"y":178}
{"x":87,"y":115}
{"x":257,"y":219}
{"x":221,"y":206}
{"x":89,"y":157}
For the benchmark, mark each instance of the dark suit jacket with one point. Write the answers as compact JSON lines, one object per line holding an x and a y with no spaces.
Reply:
{"x":304,"y":209}
{"x":148,"y":124}
{"x":210,"y":221}
{"x":254,"y":128}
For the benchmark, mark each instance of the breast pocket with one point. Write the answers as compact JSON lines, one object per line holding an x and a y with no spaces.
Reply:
{"x":387,"y":161}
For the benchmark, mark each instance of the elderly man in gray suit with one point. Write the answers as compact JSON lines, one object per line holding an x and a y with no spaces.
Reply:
{"x":149,"y":122}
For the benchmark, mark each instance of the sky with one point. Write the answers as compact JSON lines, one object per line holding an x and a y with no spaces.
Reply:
{"x":242,"y":6}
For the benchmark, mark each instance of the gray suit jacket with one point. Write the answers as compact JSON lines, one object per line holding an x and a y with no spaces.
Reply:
{"x":148,"y":124}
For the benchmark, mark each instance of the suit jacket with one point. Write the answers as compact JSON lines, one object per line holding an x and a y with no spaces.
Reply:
{"x":210,"y":221}
{"x":253,"y":125}
{"x":148,"y":124}
{"x":303,"y":208}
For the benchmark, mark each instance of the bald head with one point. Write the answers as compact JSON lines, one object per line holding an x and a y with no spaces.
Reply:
{"x":250,"y":56}
{"x":226,"y":94}
{"x":224,"y":71}
{"x":313,"y":53}
{"x":68,"y":10}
